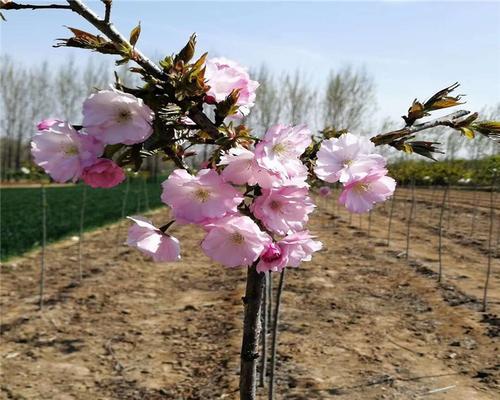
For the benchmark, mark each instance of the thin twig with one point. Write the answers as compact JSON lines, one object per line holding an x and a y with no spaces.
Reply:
{"x":16,"y":6}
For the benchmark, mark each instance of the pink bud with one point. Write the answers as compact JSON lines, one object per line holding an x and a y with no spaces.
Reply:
{"x":46,"y":124}
{"x":209,"y":99}
{"x":272,"y":253}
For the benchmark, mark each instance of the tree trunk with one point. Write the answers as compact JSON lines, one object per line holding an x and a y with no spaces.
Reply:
{"x":251,"y":333}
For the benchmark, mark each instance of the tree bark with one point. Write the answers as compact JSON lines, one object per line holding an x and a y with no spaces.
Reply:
{"x":251,"y":333}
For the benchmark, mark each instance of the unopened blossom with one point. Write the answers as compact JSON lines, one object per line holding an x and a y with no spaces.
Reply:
{"x":196,"y":199}
{"x":152,"y":241}
{"x":223,"y":76}
{"x":288,"y":252}
{"x":283,"y":210}
{"x":234,"y":241}
{"x":338,"y":158}
{"x":363,"y":190}
{"x":325,"y":191}
{"x":63,"y":152}
{"x":47,"y":123}
{"x":103,"y":174}
{"x":281,"y":147}
{"x":114,"y":117}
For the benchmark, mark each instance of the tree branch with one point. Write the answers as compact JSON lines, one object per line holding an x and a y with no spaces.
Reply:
{"x":15,"y":6}
{"x":447,"y":120}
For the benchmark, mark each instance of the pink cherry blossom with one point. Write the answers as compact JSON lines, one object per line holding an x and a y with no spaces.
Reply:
{"x":338,"y":158}
{"x":325,"y":191}
{"x":288,"y":252}
{"x":152,"y":241}
{"x":47,"y":123}
{"x":363,"y":190}
{"x":242,"y":168}
{"x":114,"y":117}
{"x":223,"y":76}
{"x":63,"y":152}
{"x":283,"y":210}
{"x":281,"y":147}
{"x":234,"y":241}
{"x":196,"y":199}
{"x":103,"y":174}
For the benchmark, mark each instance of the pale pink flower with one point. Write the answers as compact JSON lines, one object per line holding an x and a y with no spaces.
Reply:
{"x":234,"y":241}
{"x":196,"y":199}
{"x":363,"y":190}
{"x":281,"y":147}
{"x":288,"y":252}
{"x":152,"y":241}
{"x":223,"y":76}
{"x":325,"y":191}
{"x":103,"y":174}
{"x":338,"y":158}
{"x":47,"y":123}
{"x":63,"y":152}
{"x":114,"y":117}
{"x":283,"y":210}
{"x":242,"y":168}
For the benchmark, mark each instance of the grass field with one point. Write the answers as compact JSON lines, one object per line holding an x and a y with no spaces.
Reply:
{"x":21,"y":211}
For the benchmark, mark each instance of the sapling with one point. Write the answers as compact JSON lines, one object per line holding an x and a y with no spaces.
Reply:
{"x":251,"y":197}
{"x":44,"y":243}
{"x":441,"y":214}
{"x":490,"y":239}
{"x":410,"y":218}
{"x":80,"y":236}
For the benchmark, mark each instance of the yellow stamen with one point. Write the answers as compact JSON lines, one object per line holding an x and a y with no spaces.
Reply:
{"x":237,"y":238}
{"x":202,"y":195}
{"x":123,"y":116}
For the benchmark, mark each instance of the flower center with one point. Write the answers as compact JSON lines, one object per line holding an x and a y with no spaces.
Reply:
{"x":71,"y":150}
{"x":347,"y":163}
{"x":237,"y":238}
{"x":202,"y":194}
{"x":279,"y":148}
{"x":361,"y":187}
{"x":275,"y":205}
{"x":123,"y":116}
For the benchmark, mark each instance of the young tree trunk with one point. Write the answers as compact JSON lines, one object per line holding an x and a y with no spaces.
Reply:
{"x":490,"y":243}
{"x":44,"y":240}
{"x":251,"y":333}
{"x":443,"y":204}
{"x":274,"y":345}
{"x":265,"y":316}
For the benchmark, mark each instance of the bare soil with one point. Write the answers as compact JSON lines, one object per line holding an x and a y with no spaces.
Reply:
{"x":358,"y":322}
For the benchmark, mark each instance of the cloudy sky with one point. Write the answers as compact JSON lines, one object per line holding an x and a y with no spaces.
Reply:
{"x":410,"y":48}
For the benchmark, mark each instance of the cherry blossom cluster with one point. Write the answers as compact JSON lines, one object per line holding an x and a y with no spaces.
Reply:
{"x":351,"y":161}
{"x":253,"y":202}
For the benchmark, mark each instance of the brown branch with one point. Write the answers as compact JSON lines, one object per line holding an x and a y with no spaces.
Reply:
{"x":15,"y":6}
{"x":448,"y":120}
{"x":107,"y":12}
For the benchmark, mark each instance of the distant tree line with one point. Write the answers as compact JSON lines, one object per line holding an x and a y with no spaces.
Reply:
{"x":347,"y":100}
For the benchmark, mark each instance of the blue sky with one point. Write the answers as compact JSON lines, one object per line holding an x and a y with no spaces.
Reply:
{"x":410,"y":48}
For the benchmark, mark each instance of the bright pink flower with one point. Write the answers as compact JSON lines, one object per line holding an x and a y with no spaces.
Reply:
{"x":63,"y":152}
{"x":103,"y":174}
{"x":234,"y":241}
{"x":223,"y":77}
{"x":325,"y":191}
{"x":153,"y":242}
{"x":114,"y":117}
{"x":47,"y":123}
{"x":363,"y":190}
{"x":196,"y":199}
{"x":242,"y":168}
{"x":338,"y":158}
{"x":283,"y":210}
{"x":292,"y":250}
{"x":281,"y":147}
